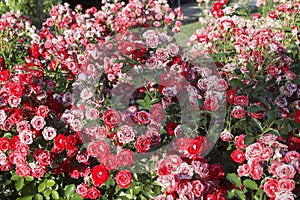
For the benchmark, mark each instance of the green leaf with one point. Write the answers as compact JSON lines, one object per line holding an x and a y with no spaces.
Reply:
{"x":249,"y":139}
{"x":248,"y":183}
{"x":69,"y":190}
{"x":236,"y":83}
{"x":230,"y":194}
{"x":19,"y":184}
{"x":25,"y":198}
{"x":47,"y":193}
{"x":54,"y":194}
{"x":15,"y":177}
{"x":42,"y":186}
{"x":234,"y":178}
{"x":29,"y":178}
{"x":76,"y":196}
{"x":50,"y":183}
{"x":257,"y":123}
{"x":38,"y":197}
{"x":255,"y":109}
{"x":240,"y":194}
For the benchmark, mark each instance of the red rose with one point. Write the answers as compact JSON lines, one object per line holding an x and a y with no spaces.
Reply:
{"x":4,"y":75}
{"x":238,"y":112}
{"x":111,"y":117}
{"x":216,"y":171}
{"x":125,"y":158}
{"x":272,"y":15}
{"x":239,"y":141}
{"x":60,"y":141}
{"x":99,"y":175}
{"x":271,"y":187}
{"x":241,"y":100}
{"x":230,"y":96}
{"x":4,"y":144}
{"x":93,"y":193}
{"x":22,"y":170}
{"x":297,"y":116}
{"x":170,"y":127}
{"x":124,"y":179}
{"x":238,"y":156}
{"x":217,"y":5}
{"x":293,"y":143}
{"x":211,"y":104}
{"x":142,"y":117}
{"x":256,"y":171}
{"x":142,"y":144}
{"x":195,"y":147}
{"x":260,"y":114}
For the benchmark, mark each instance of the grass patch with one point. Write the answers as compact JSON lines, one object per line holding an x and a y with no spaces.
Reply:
{"x":189,"y":29}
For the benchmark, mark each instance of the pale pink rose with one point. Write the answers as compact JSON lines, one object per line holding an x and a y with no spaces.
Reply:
{"x":174,"y":160}
{"x":220,"y":85}
{"x":98,"y":149}
{"x":82,"y":158}
{"x":126,"y":134}
{"x":170,"y":91}
{"x":202,"y":84}
{"x":49,"y":133}
{"x":2,"y":116}
{"x":200,"y":168}
{"x":38,"y":122}
{"x":23,"y":126}
{"x":16,"y":158}
{"x":152,"y":41}
{"x":76,"y":125}
{"x":266,"y":153}
{"x":291,"y":155}
{"x":92,"y":114}
{"x":185,"y":170}
{"x":284,"y":195}
{"x":162,"y":54}
{"x":253,"y":151}
{"x":226,"y":136}
{"x":206,"y":72}
{"x":26,"y":137}
{"x":296,"y":164}
{"x":14,"y":101}
{"x":268,"y":138}
{"x":286,"y":185}
{"x":173,"y":49}
{"x":243,"y":170}
{"x":3,"y":158}
{"x":86,"y":94}
{"x":285,"y":171}
{"x":169,"y":182}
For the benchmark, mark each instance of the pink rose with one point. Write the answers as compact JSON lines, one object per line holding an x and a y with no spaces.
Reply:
{"x":38,"y":122}
{"x":126,"y":134}
{"x":243,"y":170}
{"x":286,"y":185}
{"x":110,"y":162}
{"x":14,"y":101}
{"x":271,"y":187}
{"x":162,"y":54}
{"x":124,"y":178}
{"x":185,"y":170}
{"x":256,"y":171}
{"x":173,"y":49}
{"x":2,"y":116}
{"x":198,"y":188}
{"x":238,"y":156}
{"x":142,"y":144}
{"x":291,"y":155}
{"x":23,"y":170}
{"x":98,"y":149}
{"x":241,"y":100}
{"x":125,"y":157}
{"x":82,"y":190}
{"x":284,"y":195}
{"x":38,"y":171}
{"x":211,"y":104}
{"x":3,"y":158}
{"x":93,"y":193}
{"x":49,"y":133}
{"x":220,"y":85}
{"x":142,"y":117}
{"x":111,"y":117}
{"x":285,"y":171}
{"x":226,"y":136}
{"x":254,"y":151}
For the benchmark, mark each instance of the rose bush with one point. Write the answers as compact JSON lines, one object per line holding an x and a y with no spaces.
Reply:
{"x":106,"y":105}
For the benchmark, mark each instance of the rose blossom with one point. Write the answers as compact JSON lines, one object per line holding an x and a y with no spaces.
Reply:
{"x":198,"y":188}
{"x":241,"y":100}
{"x":285,"y":171}
{"x":142,"y":144}
{"x":111,"y":117}
{"x":26,"y":137}
{"x":99,"y":175}
{"x":239,"y":141}
{"x":162,"y":54}
{"x":49,"y":133}
{"x":164,"y":197}
{"x":243,"y":170}
{"x":285,"y":195}
{"x":226,"y":136}
{"x":124,"y":178}
{"x":126,"y":134}
{"x":2,"y":158}
{"x":22,"y":170}
{"x":238,"y":112}
{"x":256,"y":171}
{"x":14,"y":101}
{"x":238,"y":156}
{"x":4,"y":144}
{"x":142,"y":117}
{"x":38,"y":122}
{"x":93,"y":193}
{"x":82,"y":190}
{"x":254,"y":151}
{"x":185,"y":171}
{"x":271,"y":187}
{"x":286,"y":185}
{"x":38,"y":171}
{"x":110,"y":162}
{"x":211,"y":104}
{"x":125,"y":157}
{"x":98,"y":149}
{"x":220,"y":85}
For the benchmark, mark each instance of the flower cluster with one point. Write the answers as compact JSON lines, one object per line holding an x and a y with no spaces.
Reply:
{"x":190,"y":178}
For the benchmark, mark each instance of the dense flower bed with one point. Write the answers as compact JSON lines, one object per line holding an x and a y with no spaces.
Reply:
{"x":107,"y":105}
